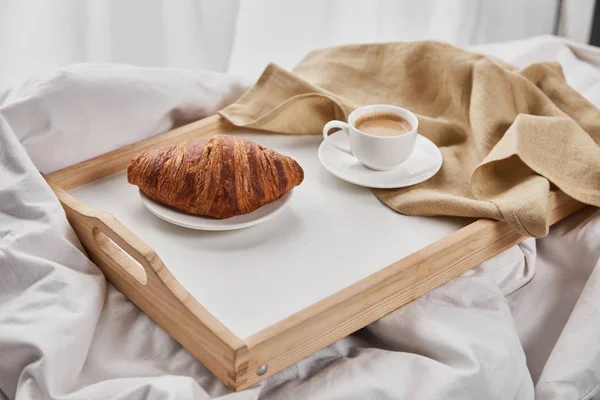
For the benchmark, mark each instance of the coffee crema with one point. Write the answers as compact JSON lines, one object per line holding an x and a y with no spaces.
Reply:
{"x":383,"y":124}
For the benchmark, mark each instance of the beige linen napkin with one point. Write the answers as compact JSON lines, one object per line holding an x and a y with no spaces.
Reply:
{"x":507,"y":135}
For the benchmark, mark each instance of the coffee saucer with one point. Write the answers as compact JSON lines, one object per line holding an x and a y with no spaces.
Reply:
{"x":423,"y":163}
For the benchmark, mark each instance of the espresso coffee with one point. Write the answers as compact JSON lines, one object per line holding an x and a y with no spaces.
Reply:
{"x":383,"y":124}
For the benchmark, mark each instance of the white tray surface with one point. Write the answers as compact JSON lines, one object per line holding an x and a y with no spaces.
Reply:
{"x":332,"y":235}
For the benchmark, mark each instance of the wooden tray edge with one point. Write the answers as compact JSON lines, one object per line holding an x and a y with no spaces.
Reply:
{"x":383,"y":292}
{"x":177,"y":312}
{"x":117,"y":160}
{"x":317,"y":326}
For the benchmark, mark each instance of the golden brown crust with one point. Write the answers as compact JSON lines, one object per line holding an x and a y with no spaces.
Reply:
{"x":219,"y":178}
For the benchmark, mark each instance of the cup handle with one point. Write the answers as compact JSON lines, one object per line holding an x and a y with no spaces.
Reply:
{"x":342,"y":126}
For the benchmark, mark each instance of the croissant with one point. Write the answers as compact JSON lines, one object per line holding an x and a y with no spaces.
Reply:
{"x":219,"y":178}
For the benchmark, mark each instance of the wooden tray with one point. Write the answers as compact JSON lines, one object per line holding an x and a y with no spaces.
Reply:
{"x":250,"y":303}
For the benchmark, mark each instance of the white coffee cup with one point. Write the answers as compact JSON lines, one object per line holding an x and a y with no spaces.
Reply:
{"x":381,"y":153}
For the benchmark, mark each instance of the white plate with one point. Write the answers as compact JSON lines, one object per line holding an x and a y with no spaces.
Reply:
{"x":180,"y":218}
{"x":423,"y":163}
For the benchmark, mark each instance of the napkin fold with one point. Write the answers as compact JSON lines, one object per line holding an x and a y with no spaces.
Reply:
{"x":508,"y":136}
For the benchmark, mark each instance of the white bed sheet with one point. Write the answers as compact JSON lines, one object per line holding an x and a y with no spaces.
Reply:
{"x":524,"y":324}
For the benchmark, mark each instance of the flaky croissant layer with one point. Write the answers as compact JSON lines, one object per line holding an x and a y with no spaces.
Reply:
{"x":219,"y":178}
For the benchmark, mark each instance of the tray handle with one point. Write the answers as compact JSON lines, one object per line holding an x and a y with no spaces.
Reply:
{"x":127,"y":256}
{"x":124,"y":248}
{"x":122,"y":251}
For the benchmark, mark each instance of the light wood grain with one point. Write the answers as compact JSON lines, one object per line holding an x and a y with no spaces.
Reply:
{"x":112,"y":247}
{"x":343,"y":313}
{"x":236,"y":361}
{"x":115,"y":161}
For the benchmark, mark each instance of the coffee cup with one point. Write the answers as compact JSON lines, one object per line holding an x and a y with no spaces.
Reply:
{"x":380,"y":136}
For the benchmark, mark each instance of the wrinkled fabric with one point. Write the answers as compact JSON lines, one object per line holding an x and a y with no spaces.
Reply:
{"x":78,"y":112}
{"x":506,"y":134}
{"x":523,"y":324}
